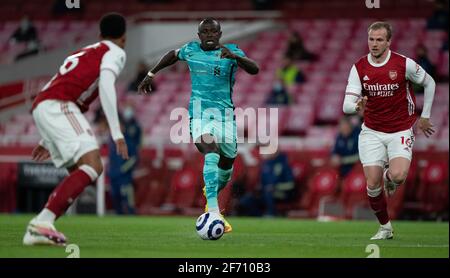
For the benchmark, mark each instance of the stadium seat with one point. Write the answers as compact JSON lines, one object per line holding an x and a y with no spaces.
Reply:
{"x":411,"y":183}
{"x":299,"y":170}
{"x":323,"y":184}
{"x":184,"y":188}
{"x":300,"y":119}
{"x":354,"y":192}
{"x":150,"y":181}
{"x":328,"y":112}
{"x":8,"y":184}
{"x":433,"y":189}
{"x":443,"y":66}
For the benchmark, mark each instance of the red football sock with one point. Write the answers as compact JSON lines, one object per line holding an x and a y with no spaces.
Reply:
{"x":67,"y":191}
{"x":379,"y":206}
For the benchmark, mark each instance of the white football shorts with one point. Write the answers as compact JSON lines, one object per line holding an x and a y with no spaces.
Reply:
{"x":377,"y":148}
{"x":66,"y":133}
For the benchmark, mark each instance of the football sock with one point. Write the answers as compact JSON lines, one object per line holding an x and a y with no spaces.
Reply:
{"x":387,"y":225}
{"x":211,"y":177}
{"x":46,"y":215}
{"x":378,"y":204}
{"x":69,"y":189}
{"x":224,"y":177}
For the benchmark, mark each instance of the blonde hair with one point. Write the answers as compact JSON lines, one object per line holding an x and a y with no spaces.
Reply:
{"x":379,"y":25}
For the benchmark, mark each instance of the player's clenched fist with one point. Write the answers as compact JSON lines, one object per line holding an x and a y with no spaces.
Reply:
{"x":361,"y":103}
{"x":226,"y":53}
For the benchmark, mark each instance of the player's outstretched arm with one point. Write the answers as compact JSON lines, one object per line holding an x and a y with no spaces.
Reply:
{"x":168,"y":59}
{"x":245,"y":63}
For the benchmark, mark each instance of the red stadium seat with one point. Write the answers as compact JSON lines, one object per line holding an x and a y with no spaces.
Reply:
{"x":300,"y":119}
{"x":322,"y":184}
{"x":184,"y":189}
{"x":411,"y":181}
{"x":443,"y":64}
{"x":354,"y":191}
{"x":299,"y":170}
{"x":150,"y":185}
{"x":433,"y":189}
{"x":329,"y":112}
{"x":8,"y":184}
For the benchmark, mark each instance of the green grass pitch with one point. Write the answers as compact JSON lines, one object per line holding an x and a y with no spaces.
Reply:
{"x":169,"y":237}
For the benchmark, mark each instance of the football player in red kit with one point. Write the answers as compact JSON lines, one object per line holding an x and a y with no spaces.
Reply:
{"x":379,"y":84}
{"x":66,"y":135}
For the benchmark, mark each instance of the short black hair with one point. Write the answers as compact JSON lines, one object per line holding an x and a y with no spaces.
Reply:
{"x":112,"y":25}
{"x":209,"y":20}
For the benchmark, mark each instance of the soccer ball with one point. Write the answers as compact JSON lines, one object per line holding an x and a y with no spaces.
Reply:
{"x":210,"y":226}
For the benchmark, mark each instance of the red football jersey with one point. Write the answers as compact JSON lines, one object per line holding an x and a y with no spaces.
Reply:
{"x":391,"y":102}
{"x":77,"y":78}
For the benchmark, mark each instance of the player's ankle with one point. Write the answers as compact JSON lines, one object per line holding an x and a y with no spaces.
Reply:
{"x":388,"y":225}
{"x":46,"y":215}
{"x":215,"y":210}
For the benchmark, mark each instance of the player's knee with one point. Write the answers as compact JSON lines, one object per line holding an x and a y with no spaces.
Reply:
{"x":206,"y":144}
{"x":398,"y":176}
{"x":99,"y":168}
{"x":373,"y":182}
{"x":93,"y":160}
{"x":373,"y":186}
{"x":210,"y":148}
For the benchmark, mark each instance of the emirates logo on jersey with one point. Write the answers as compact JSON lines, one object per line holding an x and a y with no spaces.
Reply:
{"x":393,"y":74}
{"x":381,"y":87}
{"x":380,"y":90}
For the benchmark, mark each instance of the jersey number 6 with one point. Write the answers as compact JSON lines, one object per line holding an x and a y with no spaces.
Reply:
{"x":70,"y":63}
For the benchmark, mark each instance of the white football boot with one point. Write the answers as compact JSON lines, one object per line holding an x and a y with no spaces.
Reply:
{"x":383,"y":233}
{"x":43,"y":233}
